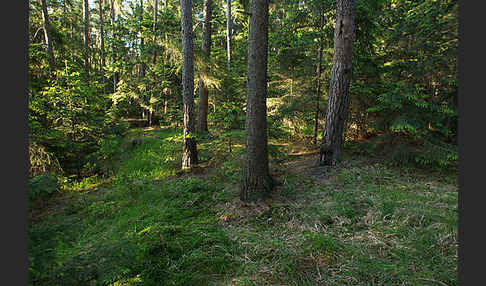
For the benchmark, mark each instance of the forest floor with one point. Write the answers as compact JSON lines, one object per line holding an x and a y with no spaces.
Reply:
{"x":362,"y":222}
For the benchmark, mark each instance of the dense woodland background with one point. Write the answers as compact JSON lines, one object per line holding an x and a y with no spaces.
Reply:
{"x":108,"y":93}
{"x":125,"y":65}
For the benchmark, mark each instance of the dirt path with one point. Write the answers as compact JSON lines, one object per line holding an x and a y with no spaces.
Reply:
{"x":304,"y":162}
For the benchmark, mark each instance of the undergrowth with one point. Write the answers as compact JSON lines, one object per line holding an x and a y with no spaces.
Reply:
{"x":147,"y":224}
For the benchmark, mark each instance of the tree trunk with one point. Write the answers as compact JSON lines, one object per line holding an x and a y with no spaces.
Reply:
{"x":142,"y":42}
{"x":202,"y":114}
{"x":86,"y":36}
{"x":47,"y":35}
{"x":256,"y":181}
{"x":156,"y":4}
{"x":319,"y":67}
{"x":337,"y":109}
{"x":166,"y":37}
{"x":141,"y":70}
{"x":189,"y":153}
{"x":102,"y":43}
{"x":154,"y":42}
{"x":228,"y":32}
{"x":114,"y":57}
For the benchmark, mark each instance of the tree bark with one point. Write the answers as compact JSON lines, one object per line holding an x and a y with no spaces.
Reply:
{"x":156,"y":4}
{"x":189,"y":152}
{"x":256,"y":181}
{"x":154,"y":42}
{"x":47,"y":36}
{"x":102,"y":42}
{"x":142,"y":42}
{"x":228,"y":32}
{"x":113,"y":52}
{"x":166,"y":37}
{"x":337,"y":109}
{"x":86,"y":36}
{"x":319,"y":67}
{"x":202,"y":114}
{"x":141,"y":70}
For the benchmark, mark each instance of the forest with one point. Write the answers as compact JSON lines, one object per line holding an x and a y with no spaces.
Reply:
{"x":243,"y":142}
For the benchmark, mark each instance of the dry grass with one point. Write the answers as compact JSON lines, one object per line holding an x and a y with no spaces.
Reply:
{"x":360,"y":223}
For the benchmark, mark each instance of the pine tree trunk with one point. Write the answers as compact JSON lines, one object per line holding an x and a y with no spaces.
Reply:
{"x":331,"y":144}
{"x":156,"y":4}
{"x":86,"y":36}
{"x":113,"y":52}
{"x":102,"y":43}
{"x":154,"y":42}
{"x":189,"y":152}
{"x":47,"y":36}
{"x":228,"y":32}
{"x":202,"y":114}
{"x":256,"y":182}
{"x":142,"y":42}
{"x":319,"y":68}
{"x":166,"y":37}
{"x":141,"y":74}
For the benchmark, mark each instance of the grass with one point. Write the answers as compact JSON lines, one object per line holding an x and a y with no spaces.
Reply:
{"x":361,"y":223}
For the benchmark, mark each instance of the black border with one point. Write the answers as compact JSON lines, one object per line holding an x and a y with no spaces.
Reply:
{"x":472,"y":104}
{"x":14,"y":209}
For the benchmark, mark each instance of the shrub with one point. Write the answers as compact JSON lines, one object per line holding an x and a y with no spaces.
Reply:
{"x":43,"y":186}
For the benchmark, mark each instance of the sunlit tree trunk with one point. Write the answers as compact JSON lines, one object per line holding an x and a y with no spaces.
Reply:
{"x":141,"y":70}
{"x":166,"y":37}
{"x":337,"y":109}
{"x":189,"y":153}
{"x":228,"y":32}
{"x":319,"y":67}
{"x":156,"y":4}
{"x":142,"y":42}
{"x":47,"y":36}
{"x":202,"y":114}
{"x":154,"y":39}
{"x":256,"y":181}
{"x":114,"y":36}
{"x":86,"y":35}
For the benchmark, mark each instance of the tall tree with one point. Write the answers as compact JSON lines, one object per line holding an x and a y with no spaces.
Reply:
{"x":319,"y":70}
{"x":47,"y":35}
{"x":337,"y":109}
{"x":141,"y":70}
{"x":86,"y":35}
{"x":189,"y":152}
{"x":228,"y":32}
{"x":166,"y":3}
{"x":156,"y":4}
{"x":202,"y":115}
{"x":256,"y":176}
{"x":114,"y":37}
{"x":142,"y":41}
{"x":102,"y":41}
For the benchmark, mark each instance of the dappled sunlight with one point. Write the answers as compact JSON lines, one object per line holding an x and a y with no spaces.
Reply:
{"x":309,"y":228}
{"x":171,"y":143}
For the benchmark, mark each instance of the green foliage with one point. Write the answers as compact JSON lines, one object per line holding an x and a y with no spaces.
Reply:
{"x":144,"y":222}
{"x":228,"y":116}
{"x":404,"y":74}
{"x":67,"y":117}
{"x":43,"y":186}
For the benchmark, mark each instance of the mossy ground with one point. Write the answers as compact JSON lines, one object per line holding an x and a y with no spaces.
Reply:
{"x":361,"y":223}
